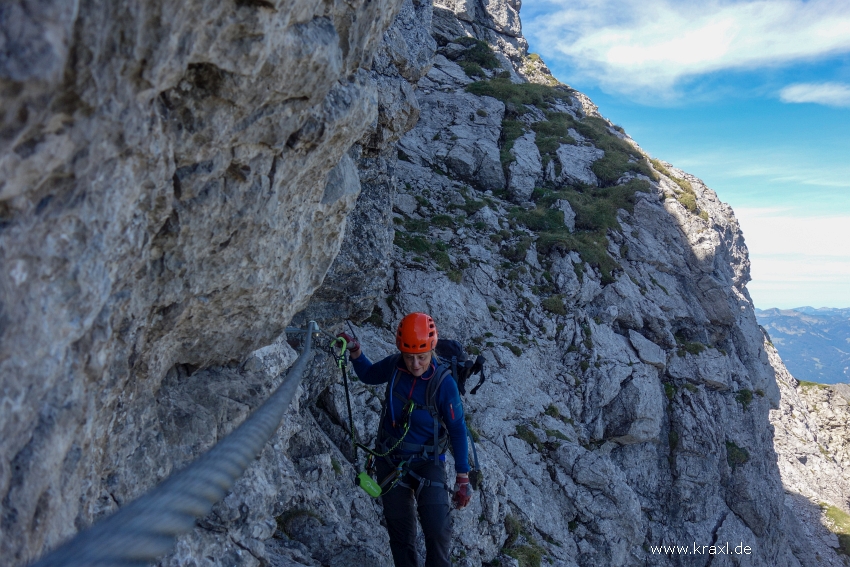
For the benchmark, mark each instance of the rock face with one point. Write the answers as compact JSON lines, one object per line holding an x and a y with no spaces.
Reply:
{"x":175,"y":185}
{"x":814,"y":458}
{"x":175,"y":194}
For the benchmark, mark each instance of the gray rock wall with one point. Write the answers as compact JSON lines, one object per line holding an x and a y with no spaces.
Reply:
{"x":175,"y":185}
{"x":624,"y":410}
{"x":812,"y":448}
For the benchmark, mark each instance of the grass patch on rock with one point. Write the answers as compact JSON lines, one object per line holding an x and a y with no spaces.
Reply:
{"x":517,"y":251}
{"x":472,"y":70}
{"x":436,"y":251}
{"x":840,"y":526}
{"x":620,"y":156}
{"x":596,"y":212}
{"x":688,"y":197}
{"x":520,"y":94}
{"x":745,"y":398}
{"x":412,"y":243}
{"x":551,"y":133}
{"x":554,"y":304}
{"x":805,"y":384}
{"x":735,"y":455}
{"x":521,"y":545}
{"x":557,"y":434}
{"x":513,"y":348}
{"x":477,"y":52}
{"x":527,"y":435}
{"x":472,"y":431}
{"x":511,"y":130}
{"x":685,"y":346}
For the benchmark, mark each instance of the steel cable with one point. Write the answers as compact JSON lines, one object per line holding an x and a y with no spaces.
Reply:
{"x":147,"y":528}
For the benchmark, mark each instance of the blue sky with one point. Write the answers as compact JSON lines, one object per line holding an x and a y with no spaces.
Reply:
{"x":753,"y":97}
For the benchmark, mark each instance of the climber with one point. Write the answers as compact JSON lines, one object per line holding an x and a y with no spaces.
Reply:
{"x":424,"y":474}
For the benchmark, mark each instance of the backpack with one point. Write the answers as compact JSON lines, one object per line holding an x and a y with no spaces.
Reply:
{"x":451,"y":352}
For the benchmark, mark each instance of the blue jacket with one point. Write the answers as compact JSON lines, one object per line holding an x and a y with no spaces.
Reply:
{"x":421,"y":424}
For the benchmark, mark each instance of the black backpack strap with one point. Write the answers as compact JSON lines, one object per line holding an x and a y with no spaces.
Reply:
{"x":478,"y":367}
{"x":434,"y":384}
{"x":454,"y":368}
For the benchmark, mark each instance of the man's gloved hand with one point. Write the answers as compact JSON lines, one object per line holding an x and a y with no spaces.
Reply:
{"x":463,"y":492}
{"x":353,"y":344}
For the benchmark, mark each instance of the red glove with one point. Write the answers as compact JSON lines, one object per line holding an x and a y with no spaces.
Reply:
{"x":463,"y":492}
{"x":353,"y":344}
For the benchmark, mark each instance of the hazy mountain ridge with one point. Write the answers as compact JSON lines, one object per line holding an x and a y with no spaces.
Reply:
{"x":814,"y":343}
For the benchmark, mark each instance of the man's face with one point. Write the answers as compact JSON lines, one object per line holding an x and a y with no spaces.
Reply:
{"x":417,"y":364}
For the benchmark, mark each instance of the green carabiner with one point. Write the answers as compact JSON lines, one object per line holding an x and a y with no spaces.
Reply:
{"x":340,"y":358}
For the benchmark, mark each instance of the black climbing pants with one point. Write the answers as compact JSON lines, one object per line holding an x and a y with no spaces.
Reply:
{"x":433,"y":507}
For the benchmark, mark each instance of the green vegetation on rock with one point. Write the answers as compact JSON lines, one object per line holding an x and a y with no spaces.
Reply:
{"x":513,"y":348}
{"x":551,"y":133}
{"x":516,"y":252}
{"x":744,"y":397}
{"x":554,"y":304}
{"x":596,"y":212}
{"x":688,"y":197}
{"x":736,"y":455}
{"x":472,"y":70}
{"x":687,"y":347}
{"x":528,"y":555}
{"x":557,"y":434}
{"x":437,"y":251}
{"x":527,"y":435}
{"x":840,"y":526}
{"x":520,"y":94}
{"x":477,"y":52}
{"x":511,"y":130}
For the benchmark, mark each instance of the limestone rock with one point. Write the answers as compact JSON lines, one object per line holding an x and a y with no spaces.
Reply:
{"x":576,"y":161}
{"x":569,"y":214}
{"x":172,"y":194}
{"x":648,"y":351}
{"x":526,"y":169}
{"x":459,"y":132}
{"x":709,"y":367}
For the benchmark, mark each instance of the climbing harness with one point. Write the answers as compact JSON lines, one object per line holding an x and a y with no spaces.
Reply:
{"x":388,"y":444}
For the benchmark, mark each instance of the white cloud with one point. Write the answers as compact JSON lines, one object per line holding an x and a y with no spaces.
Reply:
{"x":648,"y":47}
{"x":797,"y":260}
{"x":830,"y":94}
{"x":731,"y":166}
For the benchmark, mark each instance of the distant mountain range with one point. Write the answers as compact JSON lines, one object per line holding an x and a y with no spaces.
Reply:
{"x":814,"y":343}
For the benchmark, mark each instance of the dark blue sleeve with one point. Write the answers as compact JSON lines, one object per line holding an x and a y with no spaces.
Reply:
{"x":377,"y":373}
{"x":451,"y":410}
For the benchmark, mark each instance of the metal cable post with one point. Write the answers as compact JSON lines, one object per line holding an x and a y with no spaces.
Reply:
{"x":147,"y":528}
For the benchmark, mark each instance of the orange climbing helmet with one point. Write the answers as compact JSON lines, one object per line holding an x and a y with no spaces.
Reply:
{"x":416,"y":334}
